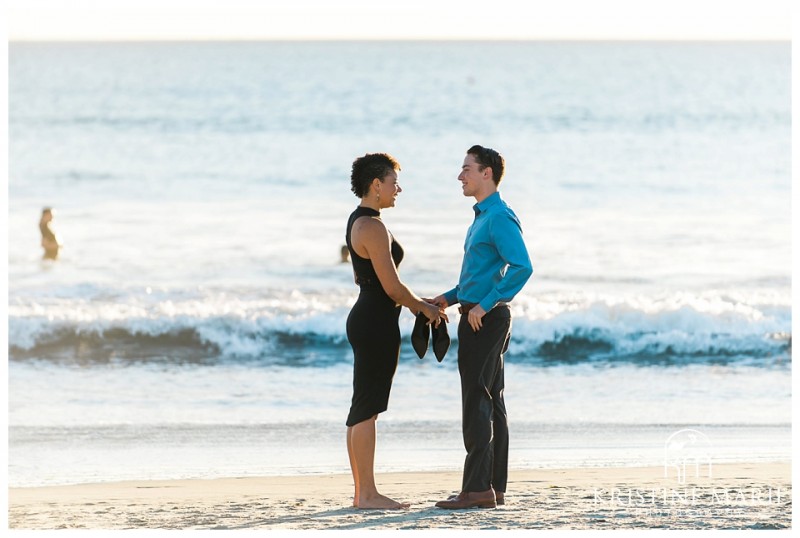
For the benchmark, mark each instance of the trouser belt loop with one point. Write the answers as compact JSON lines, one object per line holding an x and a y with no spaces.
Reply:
{"x":466,"y":307}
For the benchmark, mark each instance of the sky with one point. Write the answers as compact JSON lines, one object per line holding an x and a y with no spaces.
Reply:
{"x":402,"y":19}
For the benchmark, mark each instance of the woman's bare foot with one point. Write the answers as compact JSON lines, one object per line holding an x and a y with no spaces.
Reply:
{"x":379,"y":502}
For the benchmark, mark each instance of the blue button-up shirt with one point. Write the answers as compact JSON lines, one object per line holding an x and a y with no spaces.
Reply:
{"x":496,"y":263}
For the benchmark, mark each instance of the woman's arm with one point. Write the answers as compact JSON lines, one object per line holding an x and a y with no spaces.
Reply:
{"x":370,"y":236}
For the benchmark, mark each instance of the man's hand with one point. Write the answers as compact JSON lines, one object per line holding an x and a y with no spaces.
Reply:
{"x":439,"y":301}
{"x":475,"y":317}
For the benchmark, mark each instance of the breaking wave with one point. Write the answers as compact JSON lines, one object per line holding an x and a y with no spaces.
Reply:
{"x":312,"y":331}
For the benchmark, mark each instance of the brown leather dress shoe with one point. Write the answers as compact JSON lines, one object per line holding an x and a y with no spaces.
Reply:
{"x":499,"y":496}
{"x":468,"y":499}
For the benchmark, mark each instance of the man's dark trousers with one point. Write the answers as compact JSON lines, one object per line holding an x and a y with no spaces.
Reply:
{"x":484,"y":422}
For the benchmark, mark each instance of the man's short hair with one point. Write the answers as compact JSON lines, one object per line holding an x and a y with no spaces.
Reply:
{"x":489,"y":157}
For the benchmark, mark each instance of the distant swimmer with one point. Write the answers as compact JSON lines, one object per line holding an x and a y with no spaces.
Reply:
{"x":50,"y":242}
{"x":345,"y":254}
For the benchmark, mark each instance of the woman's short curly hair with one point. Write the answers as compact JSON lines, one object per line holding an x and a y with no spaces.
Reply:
{"x":369,"y":167}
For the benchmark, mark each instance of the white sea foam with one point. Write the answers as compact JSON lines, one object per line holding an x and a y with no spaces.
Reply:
{"x":250,"y":324}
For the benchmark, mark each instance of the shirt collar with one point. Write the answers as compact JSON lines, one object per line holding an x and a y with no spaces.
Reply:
{"x":487,"y":202}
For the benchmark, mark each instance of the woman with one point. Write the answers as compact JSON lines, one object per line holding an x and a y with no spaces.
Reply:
{"x":372,"y":326}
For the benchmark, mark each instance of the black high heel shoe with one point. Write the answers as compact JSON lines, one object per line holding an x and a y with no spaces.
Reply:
{"x":421,"y":334}
{"x":441,"y":340}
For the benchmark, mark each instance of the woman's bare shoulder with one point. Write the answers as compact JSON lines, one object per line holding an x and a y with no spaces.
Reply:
{"x":369,"y":225}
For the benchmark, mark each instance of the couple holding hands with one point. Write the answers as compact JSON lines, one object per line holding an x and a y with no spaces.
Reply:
{"x":496,"y":266}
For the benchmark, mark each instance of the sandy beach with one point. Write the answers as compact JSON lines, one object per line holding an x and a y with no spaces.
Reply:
{"x":735,"y":496}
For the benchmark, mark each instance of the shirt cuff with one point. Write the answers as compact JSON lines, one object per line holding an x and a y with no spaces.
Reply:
{"x":490,"y":301}
{"x":451,"y":296}
{"x":487,"y":304}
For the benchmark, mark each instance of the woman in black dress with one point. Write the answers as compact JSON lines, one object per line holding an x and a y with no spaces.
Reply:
{"x":372,"y":326}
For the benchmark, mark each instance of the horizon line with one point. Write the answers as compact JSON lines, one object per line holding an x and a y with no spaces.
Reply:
{"x":408,"y":40}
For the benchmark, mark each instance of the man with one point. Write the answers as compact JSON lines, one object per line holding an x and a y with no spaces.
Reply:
{"x":495,"y":268}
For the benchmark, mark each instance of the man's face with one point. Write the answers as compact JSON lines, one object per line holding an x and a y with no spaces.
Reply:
{"x":471,"y":176}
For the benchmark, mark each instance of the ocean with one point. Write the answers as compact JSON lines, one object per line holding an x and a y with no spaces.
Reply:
{"x":194,"y":323}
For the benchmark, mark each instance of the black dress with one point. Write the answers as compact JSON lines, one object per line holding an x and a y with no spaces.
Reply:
{"x":373,"y":332}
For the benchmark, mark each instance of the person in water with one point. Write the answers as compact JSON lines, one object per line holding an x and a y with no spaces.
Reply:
{"x":50,"y":242}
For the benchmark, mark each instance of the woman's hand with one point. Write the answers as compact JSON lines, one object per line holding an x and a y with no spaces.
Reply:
{"x":434,"y":314}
